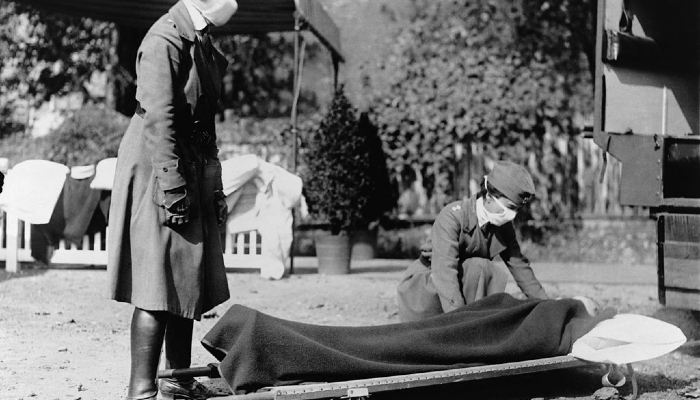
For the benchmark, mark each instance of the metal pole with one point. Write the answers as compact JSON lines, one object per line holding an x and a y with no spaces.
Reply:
{"x":336,"y":67}
{"x":297,"y":39}
{"x":296,"y":83}
{"x":211,"y":371}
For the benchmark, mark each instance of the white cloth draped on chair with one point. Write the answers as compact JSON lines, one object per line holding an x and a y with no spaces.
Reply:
{"x":261,"y":196}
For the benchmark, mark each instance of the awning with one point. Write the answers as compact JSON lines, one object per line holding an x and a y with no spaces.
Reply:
{"x":253,"y":16}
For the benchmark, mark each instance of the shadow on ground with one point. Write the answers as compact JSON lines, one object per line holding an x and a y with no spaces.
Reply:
{"x":580,"y":382}
{"x":687,"y":320}
{"x":572,"y":383}
{"x":23,"y":273}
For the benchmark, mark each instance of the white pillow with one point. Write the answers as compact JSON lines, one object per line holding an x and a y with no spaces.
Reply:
{"x":628,"y":338}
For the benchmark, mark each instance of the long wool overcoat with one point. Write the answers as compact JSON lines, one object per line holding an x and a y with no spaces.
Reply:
{"x":170,"y":143}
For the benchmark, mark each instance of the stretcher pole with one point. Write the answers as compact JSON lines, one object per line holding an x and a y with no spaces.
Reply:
{"x":355,"y":389}
{"x":210,"y":371}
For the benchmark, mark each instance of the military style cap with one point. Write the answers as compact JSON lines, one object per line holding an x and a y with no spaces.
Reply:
{"x":513,"y":181}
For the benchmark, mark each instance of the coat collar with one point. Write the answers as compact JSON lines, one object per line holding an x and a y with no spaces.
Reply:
{"x":471,"y":222}
{"x":181,"y":17}
{"x":198,"y":20}
{"x":185,"y":28}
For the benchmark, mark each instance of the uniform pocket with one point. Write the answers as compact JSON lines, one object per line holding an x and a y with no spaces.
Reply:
{"x":187,"y":172}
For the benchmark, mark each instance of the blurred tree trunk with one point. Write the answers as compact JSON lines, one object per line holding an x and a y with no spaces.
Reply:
{"x":463,"y":172}
{"x":122,"y":79}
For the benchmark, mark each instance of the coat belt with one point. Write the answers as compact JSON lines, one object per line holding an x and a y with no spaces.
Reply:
{"x":197,"y":136}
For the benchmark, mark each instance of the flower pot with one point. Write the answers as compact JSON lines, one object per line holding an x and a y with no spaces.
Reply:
{"x":364,"y":244}
{"x":333,"y":253}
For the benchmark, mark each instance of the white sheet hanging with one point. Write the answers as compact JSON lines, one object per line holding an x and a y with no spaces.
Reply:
{"x":104,"y":174}
{"x":261,"y":196}
{"x":32,"y":189}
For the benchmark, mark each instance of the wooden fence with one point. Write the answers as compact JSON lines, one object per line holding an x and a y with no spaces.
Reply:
{"x":245,"y":250}
{"x":571,"y":173}
{"x":576,"y":187}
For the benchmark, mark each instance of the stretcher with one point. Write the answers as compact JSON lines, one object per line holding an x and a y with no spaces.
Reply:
{"x":363,"y":388}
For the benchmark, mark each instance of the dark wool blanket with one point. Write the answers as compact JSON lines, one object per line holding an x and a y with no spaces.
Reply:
{"x":258,"y":350}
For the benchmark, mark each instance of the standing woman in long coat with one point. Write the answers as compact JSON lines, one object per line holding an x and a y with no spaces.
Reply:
{"x":165,"y":254}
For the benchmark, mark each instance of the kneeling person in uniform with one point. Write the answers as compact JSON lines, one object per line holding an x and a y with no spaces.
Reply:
{"x":455,"y":267}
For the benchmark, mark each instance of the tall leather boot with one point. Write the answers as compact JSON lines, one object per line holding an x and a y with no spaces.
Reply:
{"x":178,"y":354}
{"x":147,"y":332}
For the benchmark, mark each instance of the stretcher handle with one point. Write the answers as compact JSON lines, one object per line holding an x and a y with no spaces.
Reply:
{"x":211,"y":371}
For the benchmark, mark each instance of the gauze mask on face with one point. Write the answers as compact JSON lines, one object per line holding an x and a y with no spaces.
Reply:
{"x":217,"y":12}
{"x":501,"y":218}
{"x":481,"y":216}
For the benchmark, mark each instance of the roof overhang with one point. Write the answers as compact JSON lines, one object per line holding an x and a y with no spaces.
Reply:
{"x":253,"y":16}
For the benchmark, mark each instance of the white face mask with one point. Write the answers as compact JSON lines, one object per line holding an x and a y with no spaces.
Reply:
{"x":217,"y":12}
{"x":501,"y":218}
{"x":497,"y":219}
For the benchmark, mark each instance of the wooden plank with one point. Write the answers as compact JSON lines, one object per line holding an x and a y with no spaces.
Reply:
{"x":242,"y":251}
{"x":248,"y":261}
{"x":74,"y":256}
{"x":399,"y":382}
{"x":228,"y":244}
{"x":98,"y":241}
{"x":682,"y":251}
{"x":11,"y":256}
{"x":665,"y":103}
{"x":682,"y":228}
{"x":682,"y":273}
{"x":240,"y":244}
{"x":682,"y":299}
{"x":252,"y":242}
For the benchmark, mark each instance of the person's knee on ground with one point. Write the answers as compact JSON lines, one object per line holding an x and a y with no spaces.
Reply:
{"x":417,"y":297}
{"x":480,"y":278}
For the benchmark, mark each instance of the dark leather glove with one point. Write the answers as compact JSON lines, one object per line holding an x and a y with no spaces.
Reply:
{"x":177,"y":207}
{"x":220,"y":207}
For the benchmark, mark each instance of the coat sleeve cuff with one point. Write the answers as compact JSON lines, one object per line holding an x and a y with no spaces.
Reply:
{"x":168,"y":175}
{"x":172,"y":197}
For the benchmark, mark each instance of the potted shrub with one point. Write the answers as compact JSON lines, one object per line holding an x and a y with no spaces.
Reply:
{"x":382,"y":194}
{"x":337,"y":181}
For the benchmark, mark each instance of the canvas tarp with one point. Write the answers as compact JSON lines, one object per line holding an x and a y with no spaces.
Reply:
{"x":253,"y":16}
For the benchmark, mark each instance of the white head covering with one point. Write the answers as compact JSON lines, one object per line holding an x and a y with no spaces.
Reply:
{"x":628,"y":338}
{"x":217,"y":12}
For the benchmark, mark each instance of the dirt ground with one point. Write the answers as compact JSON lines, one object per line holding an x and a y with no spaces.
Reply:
{"x":60,"y":338}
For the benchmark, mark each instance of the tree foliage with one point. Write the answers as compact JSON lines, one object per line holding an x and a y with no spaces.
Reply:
{"x":89,"y":135}
{"x":43,"y":54}
{"x":85,"y":137}
{"x":259,"y":80}
{"x":499,"y":73}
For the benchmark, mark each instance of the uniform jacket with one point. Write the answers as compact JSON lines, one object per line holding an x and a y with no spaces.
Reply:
{"x":170,"y":143}
{"x":456,"y":236}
